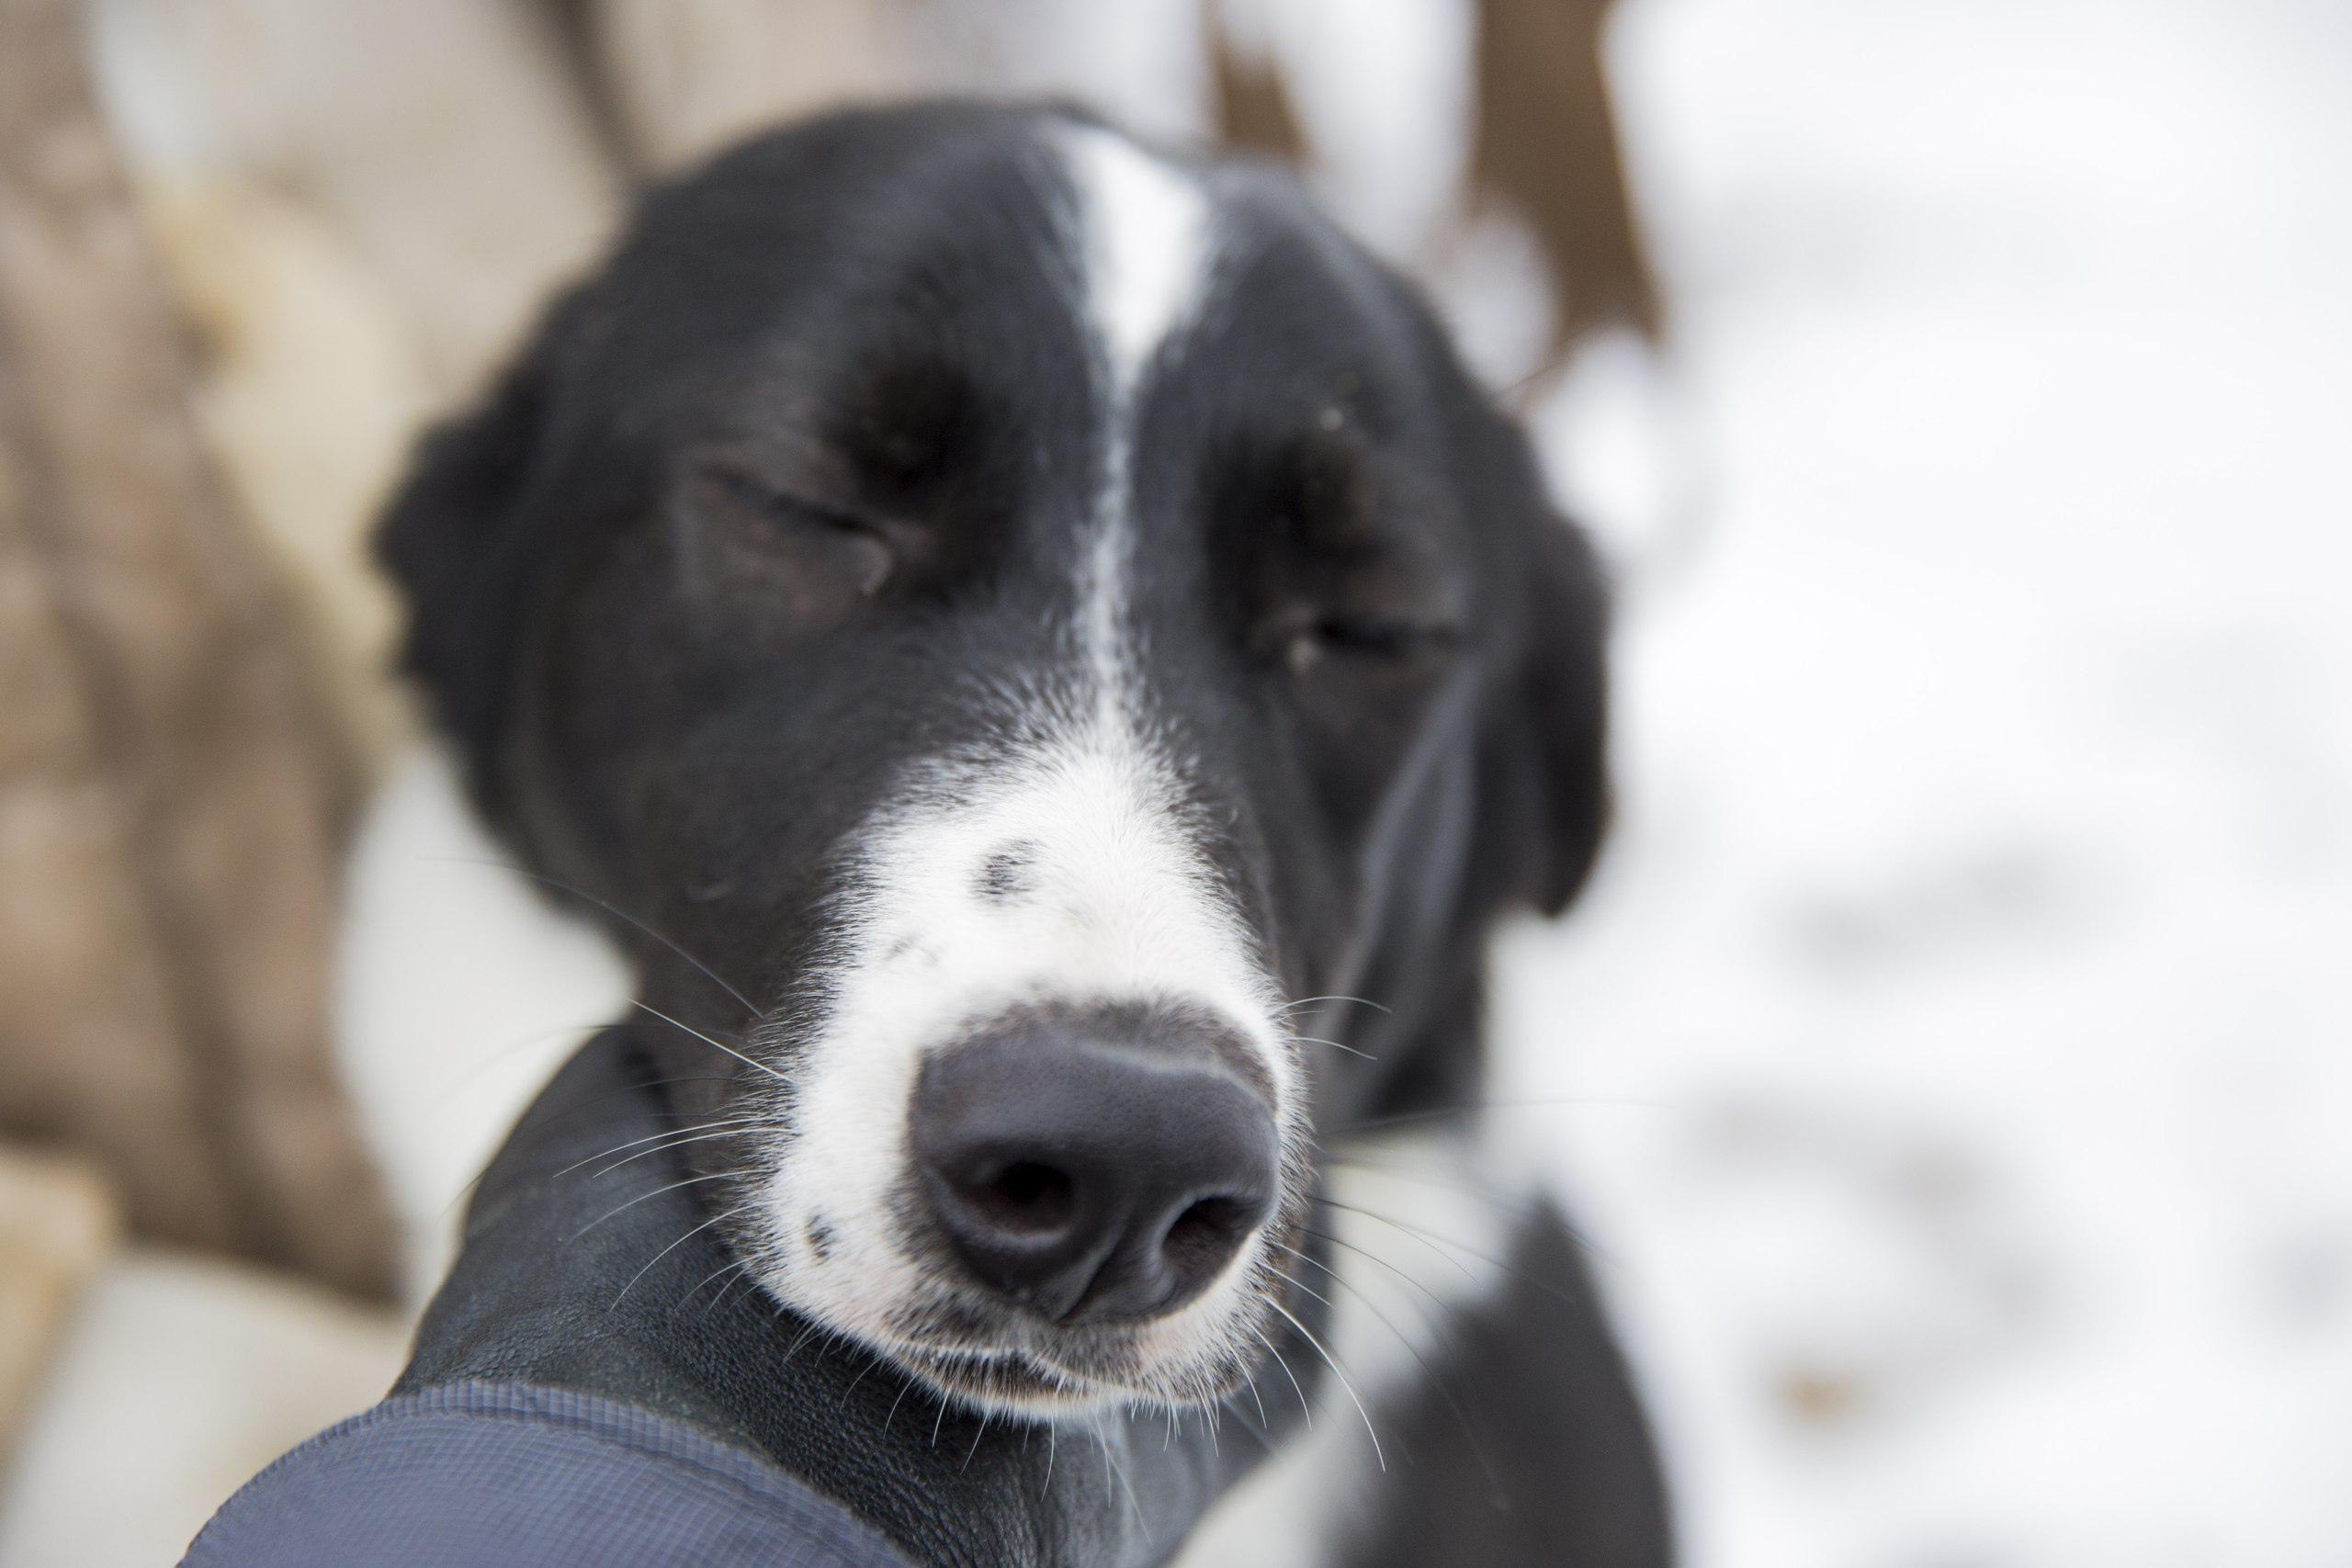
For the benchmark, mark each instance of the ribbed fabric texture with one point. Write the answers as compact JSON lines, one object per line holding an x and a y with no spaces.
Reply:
{"x":476,"y":1474}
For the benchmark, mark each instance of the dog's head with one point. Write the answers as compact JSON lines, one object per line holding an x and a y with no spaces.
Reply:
{"x":1053,"y":625}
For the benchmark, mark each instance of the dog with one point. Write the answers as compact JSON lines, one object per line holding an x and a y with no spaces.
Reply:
{"x":1052,"y":670}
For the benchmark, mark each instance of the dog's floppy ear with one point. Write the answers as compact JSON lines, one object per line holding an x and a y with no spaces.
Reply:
{"x":449,"y":539}
{"x":1545,"y":795}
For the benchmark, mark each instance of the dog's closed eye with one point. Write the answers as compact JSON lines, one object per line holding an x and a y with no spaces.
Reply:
{"x":859,"y":544}
{"x":803,"y":562}
{"x":869,"y":497}
{"x":1309,"y":637}
{"x":1343,"y":596}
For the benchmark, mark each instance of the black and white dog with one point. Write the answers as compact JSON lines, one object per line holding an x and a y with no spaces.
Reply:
{"x":1052,"y":630}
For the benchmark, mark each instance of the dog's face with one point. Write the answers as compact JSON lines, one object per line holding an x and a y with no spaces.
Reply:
{"x":1039,"y":619}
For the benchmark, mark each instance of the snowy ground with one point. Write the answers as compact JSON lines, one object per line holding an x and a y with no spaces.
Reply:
{"x":1959,"y":1034}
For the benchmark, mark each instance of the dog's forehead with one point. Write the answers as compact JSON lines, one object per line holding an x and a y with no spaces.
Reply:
{"x":1217,"y":288}
{"x":1146,"y":233}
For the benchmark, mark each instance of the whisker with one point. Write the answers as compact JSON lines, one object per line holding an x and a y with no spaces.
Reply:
{"x":664,"y":1144}
{"x":1472,"y":1107}
{"x":1310,"y":1001}
{"x":1445,"y":1388}
{"x":1304,"y":1407}
{"x":1521,"y":1202}
{"x":635,"y":1086}
{"x":1259,"y":1400}
{"x":1330,"y":1202}
{"x":673,"y":1186}
{"x":807,"y":1331}
{"x":1121,"y":1471}
{"x":1444,"y":1311}
{"x":1262,"y":1439}
{"x":715,"y":1044}
{"x":617,"y":913}
{"x":727,"y":1289}
{"x":1438,"y":1180}
{"x":681,"y":1143}
{"x":574,"y":1109}
{"x":650,"y":1138}
{"x":1430,"y":1239}
{"x":1331,"y":1362}
{"x":725,"y":1268}
{"x":871,"y":1363}
{"x":463,"y":1077}
{"x":972,"y":1453}
{"x":665,"y":1252}
{"x":1314,"y":1040}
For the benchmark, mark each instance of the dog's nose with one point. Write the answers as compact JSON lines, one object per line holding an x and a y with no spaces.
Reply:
{"x":1094,"y":1171}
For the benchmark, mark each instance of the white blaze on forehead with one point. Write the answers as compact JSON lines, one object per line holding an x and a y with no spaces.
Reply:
{"x":1146,"y":245}
{"x":1143,"y":234}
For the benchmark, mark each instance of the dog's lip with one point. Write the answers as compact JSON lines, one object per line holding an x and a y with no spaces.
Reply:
{"x":1043,"y":1376}
{"x":995,"y":1354}
{"x":1048,"y":1371}
{"x":973,"y":1371}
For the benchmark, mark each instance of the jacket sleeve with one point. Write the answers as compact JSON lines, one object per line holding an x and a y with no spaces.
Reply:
{"x":469,"y":1475}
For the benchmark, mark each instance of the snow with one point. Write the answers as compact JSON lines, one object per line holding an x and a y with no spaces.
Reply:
{"x":1956,"y":1039}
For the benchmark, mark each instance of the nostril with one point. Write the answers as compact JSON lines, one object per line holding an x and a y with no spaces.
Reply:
{"x":1204,"y":1235}
{"x":1027,"y":1197}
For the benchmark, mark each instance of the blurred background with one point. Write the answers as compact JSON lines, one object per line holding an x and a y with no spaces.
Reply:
{"x":1952,"y":1063}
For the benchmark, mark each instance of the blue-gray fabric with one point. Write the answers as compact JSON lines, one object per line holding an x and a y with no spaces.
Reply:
{"x":471,"y":1475}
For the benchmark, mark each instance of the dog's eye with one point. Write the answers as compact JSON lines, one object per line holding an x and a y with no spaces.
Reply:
{"x":862,"y":553}
{"x":1369,"y":636}
{"x":787,"y":559}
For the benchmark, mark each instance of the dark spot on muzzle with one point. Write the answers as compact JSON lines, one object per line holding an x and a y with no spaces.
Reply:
{"x":1007,"y":874}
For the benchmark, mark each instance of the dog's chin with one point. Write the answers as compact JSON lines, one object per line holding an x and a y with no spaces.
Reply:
{"x":1007,"y":1381}
{"x":1048,"y":1381}
{"x":1002,"y":1362}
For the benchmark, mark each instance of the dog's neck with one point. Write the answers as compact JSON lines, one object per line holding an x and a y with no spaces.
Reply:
{"x":645,"y":1307}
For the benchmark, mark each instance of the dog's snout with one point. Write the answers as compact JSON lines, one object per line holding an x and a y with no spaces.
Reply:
{"x":1094,"y":1170}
